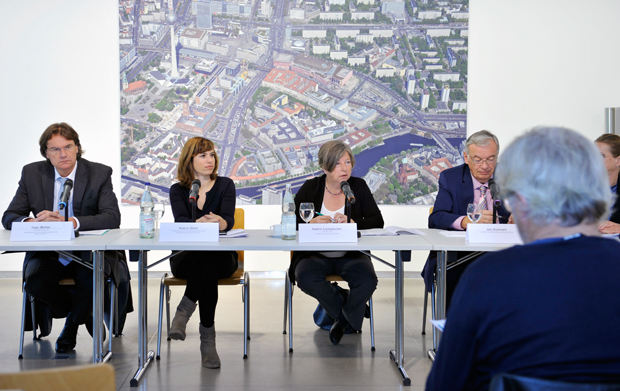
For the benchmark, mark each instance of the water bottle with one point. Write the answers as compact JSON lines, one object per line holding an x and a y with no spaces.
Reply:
{"x":147,"y":214}
{"x":288,"y":215}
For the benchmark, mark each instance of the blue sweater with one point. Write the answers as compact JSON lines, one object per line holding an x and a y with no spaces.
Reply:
{"x":548,"y":310}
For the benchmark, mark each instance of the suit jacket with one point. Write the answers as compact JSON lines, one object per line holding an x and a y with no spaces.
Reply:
{"x":94,"y":203}
{"x":456,"y":190}
{"x":615,"y":215}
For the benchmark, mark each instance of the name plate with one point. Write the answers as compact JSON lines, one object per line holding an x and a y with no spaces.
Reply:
{"x":493,"y":233}
{"x":42,"y":232}
{"x":189,"y":232}
{"x":328,"y":233}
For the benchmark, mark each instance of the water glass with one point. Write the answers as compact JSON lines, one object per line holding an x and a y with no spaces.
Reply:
{"x":306,"y":211}
{"x":159,"y":211}
{"x":474,"y":213}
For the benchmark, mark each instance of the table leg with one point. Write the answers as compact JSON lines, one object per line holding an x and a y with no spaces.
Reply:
{"x":398,"y":355}
{"x":440,"y":300}
{"x":98,"y":257}
{"x":144,"y":357}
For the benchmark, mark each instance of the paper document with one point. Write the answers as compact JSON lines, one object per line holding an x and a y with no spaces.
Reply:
{"x":95,"y":232}
{"x":235,"y":233}
{"x":459,"y":234}
{"x":439,"y":324}
{"x":391,"y":231}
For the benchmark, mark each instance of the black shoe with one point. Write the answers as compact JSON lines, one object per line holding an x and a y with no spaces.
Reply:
{"x":89,"y":327}
{"x":67,"y":339}
{"x":336,"y":332}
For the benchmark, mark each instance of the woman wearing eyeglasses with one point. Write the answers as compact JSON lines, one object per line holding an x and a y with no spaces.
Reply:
{"x":609,"y":146}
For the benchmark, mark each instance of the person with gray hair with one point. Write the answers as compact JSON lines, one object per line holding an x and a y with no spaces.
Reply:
{"x":458,"y":187}
{"x":548,"y":308}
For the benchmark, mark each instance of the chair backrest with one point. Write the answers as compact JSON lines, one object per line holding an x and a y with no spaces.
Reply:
{"x":80,"y":377}
{"x":430,"y":211}
{"x":239,"y":224}
{"x":508,"y":382}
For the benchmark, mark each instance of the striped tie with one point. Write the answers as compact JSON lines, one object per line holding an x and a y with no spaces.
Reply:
{"x":482,"y":201}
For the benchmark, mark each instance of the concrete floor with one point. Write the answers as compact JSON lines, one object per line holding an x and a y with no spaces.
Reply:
{"x":315,"y":364}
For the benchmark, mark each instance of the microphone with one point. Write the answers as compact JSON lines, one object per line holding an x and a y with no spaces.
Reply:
{"x":66,"y":193}
{"x":494,"y":192}
{"x":193,"y":194}
{"x":348,"y":193}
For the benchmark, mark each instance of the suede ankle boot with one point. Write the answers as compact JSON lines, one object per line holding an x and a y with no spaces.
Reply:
{"x":181,"y":317}
{"x":210,"y":359}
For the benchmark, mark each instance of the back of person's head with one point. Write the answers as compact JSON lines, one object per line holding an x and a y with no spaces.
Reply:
{"x":481,"y":138}
{"x":192,"y":148}
{"x":63,"y":129}
{"x":559,"y":173}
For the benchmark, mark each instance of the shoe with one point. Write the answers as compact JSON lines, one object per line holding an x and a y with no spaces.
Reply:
{"x":181,"y":317}
{"x":67,"y":339}
{"x":210,"y":358}
{"x":89,"y":327}
{"x":336,"y":332}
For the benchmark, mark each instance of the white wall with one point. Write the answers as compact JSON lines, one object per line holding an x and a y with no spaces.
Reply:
{"x":531,"y":62}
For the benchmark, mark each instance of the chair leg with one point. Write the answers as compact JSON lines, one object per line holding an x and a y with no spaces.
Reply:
{"x":168,"y":320}
{"x":161,"y":313}
{"x":21,"y":336}
{"x":289,"y":289}
{"x":246,"y":313}
{"x":424,"y":315}
{"x":34,"y":319}
{"x":286,"y":282}
{"x":113,"y":310}
{"x":372,"y":326}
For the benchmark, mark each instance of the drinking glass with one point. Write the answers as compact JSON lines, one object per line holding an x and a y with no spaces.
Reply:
{"x":306,"y":211}
{"x":474,"y":213}
{"x":159,"y":211}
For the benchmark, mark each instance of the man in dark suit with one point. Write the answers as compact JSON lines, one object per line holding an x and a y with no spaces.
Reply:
{"x":458,"y":187}
{"x":92,"y":206}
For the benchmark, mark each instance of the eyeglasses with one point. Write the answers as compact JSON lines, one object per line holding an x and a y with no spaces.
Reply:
{"x":68,"y":149}
{"x":478,"y":162}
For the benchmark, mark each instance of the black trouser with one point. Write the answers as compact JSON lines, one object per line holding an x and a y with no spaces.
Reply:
{"x":42,"y":274}
{"x":355,"y":268}
{"x":202,"y":269}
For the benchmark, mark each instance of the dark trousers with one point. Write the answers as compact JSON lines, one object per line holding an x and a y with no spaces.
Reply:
{"x":355,"y":268}
{"x":42,"y":274}
{"x":202,"y":269}
{"x":453,"y":275}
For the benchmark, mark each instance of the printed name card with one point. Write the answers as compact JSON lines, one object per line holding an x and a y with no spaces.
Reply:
{"x":328,"y":233}
{"x":493,"y":233}
{"x":189,"y":232}
{"x":42,"y":232}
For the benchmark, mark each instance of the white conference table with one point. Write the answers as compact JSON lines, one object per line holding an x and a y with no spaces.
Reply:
{"x":261,"y":240}
{"x":93,"y":243}
{"x":445,"y":242}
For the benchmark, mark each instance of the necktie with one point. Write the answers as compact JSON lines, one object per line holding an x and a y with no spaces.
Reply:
{"x":482,"y":201}
{"x":68,"y":209}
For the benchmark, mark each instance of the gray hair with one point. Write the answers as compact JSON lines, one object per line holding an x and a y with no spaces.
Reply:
{"x":559,"y":173}
{"x":331,"y":152}
{"x":481,"y":138}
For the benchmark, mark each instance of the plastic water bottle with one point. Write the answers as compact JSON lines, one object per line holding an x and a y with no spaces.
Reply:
{"x":289,"y":220}
{"x":147,"y":214}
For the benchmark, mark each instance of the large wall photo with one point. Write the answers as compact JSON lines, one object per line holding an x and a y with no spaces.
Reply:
{"x":269,"y":82}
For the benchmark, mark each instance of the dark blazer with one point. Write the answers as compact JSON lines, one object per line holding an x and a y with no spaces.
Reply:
{"x":456,"y":190}
{"x":364,"y":212}
{"x":615,"y":214}
{"x":94,"y":202}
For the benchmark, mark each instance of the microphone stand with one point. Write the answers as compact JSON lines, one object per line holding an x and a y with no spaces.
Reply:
{"x":494,"y":212}
{"x":67,"y":220}
{"x":193,"y":212}
{"x":347,"y":209}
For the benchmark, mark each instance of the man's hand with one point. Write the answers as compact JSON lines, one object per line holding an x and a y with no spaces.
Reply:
{"x":46,"y":215}
{"x":487,"y":218}
{"x":608,"y":227}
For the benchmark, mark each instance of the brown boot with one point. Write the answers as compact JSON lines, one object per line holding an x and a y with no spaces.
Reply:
{"x":210,"y":359}
{"x":181,"y":317}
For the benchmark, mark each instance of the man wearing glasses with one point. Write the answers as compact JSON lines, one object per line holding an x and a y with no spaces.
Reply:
{"x":91,"y":206}
{"x":458,"y":187}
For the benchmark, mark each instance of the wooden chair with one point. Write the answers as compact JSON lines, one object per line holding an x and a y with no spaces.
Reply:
{"x":74,"y":378}
{"x":288,"y":309}
{"x":238,"y":278}
{"x":64,"y":282}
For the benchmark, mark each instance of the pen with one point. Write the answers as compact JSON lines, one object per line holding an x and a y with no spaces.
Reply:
{"x":321,"y":214}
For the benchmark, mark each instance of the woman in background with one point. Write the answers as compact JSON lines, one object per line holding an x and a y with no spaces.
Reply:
{"x":609,"y":145}
{"x":309,"y":268}
{"x":215,"y":204}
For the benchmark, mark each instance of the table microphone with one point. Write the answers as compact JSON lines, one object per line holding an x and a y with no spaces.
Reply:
{"x":66,"y":193}
{"x":348,"y":193}
{"x":193,"y":194}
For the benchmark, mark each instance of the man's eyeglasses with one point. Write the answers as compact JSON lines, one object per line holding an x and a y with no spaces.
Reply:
{"x":68,"y":149}
{"x":490,"y":161}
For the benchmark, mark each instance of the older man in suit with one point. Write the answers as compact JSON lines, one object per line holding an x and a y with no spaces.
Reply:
{"x":458,"y":187}
{"x":92,"y":206}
